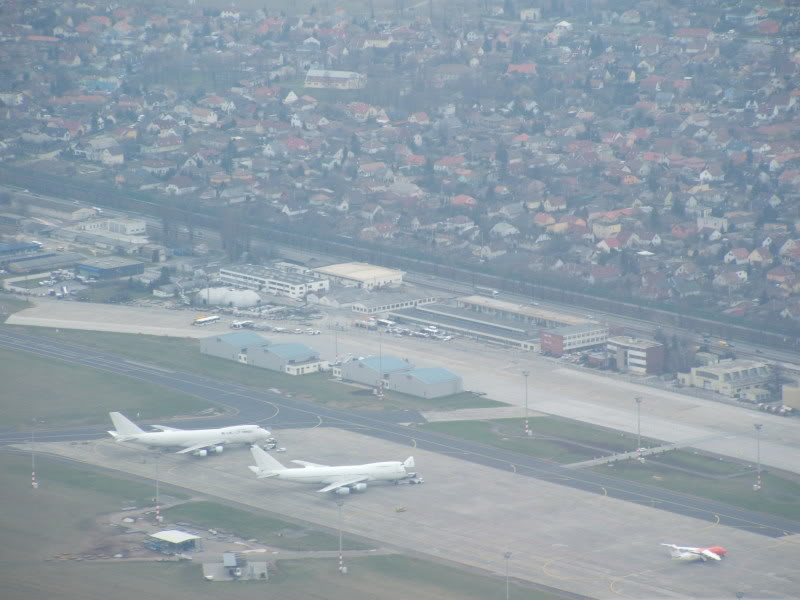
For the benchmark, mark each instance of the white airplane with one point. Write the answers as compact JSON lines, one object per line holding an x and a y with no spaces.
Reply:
{"x":198,"y":442}
{"x":689,"y":554}
{"x":340,"y":480}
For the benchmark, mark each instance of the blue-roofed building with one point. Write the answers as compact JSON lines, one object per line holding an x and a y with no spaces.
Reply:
{"x":233,"y":346}
{"x":373,"y":370}
{"x":249,"y":348}
{"x":432,"y":382}
{"x":15,"y":251}
{"x":294,"y":359}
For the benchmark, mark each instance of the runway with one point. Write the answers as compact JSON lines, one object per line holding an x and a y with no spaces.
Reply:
{"x":278,"y":412}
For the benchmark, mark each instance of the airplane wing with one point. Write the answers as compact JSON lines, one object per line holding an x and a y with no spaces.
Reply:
{"x":199,"y":446}
{"x":165,"y":428}
{"x":305,"y":463}
{"x":343,"y":483}
{"x":709,"y":554}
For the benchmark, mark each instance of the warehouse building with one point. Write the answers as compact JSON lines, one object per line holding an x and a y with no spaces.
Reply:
{"x":425,"y":383}
{"x":249,"y":348}
{"x":642,"y":357}
{"x":273,"y":280}
{"x":573,"y":338}
{"x":522,"y":314}
{"x":361,"y":275}
{"x":44,"y":262}
{"x":9,"y":252}
{"x":745,"y":379}
{"x":373,"y":370}
{"x":334,"y":80}
{"x":109,"y":267}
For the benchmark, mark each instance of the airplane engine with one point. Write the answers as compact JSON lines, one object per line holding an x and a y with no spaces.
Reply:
{"x":359,"y":487}
{"x":219,"y":449}
{"x":343,"y":491}
{"x":201,"y":453}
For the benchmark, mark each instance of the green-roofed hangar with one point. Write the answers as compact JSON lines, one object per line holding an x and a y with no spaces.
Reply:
{"x":250,"y":348}
{"x":396,"y":374}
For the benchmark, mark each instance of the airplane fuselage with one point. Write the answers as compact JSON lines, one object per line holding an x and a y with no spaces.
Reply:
{"x":241,"y":434}
{"x":383,"y":471}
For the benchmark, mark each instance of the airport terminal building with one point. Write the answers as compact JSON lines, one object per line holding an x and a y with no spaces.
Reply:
{"x":273,"y":281}
{"x":643,"y":357}
{"x":573,"y":338}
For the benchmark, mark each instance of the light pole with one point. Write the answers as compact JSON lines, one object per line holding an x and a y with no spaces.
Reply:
{"x":525,"y":374}
{"x":757,"y":485}
{"x":34,"y":483}
{"x":342,"y":570}
{"x":507,"y":556}
{"x":158,"y":500}
{"x":638,"y":422}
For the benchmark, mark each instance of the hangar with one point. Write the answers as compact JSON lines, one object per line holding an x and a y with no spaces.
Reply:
{"x":373,"y":370}
{"x":425,"y":383}
{"x":109,"y":267}
{"x":250,"y":348}
{"x":362,"y":275}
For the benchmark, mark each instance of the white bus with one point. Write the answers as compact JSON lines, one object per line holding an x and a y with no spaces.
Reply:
{"x":201,"y":321}
{"x":386,"y":323}
{"x":243,"y":324}
{"x":484,"y":291}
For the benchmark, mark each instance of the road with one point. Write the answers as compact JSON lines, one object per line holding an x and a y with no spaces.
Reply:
{"x":271,"y":410}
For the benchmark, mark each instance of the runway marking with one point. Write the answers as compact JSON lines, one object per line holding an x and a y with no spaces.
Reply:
{"x":712,"y":525}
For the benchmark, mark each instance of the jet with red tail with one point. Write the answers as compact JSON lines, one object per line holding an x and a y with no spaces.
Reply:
{"x":688,"y":553}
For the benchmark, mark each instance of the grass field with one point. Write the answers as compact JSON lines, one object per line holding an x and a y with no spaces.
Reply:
{"x":778,"y":495}
{"x":61,"y":394}
{"x":10,"y":304}
{"x":59,"y":517}
{"x":184,"y":355}
{"x":590,"y":441}
{"x":267,"y":530}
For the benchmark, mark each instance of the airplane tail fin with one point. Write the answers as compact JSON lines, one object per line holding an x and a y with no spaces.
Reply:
{"x":123,"y":425}
{"x":409,"y":462}
{"x":265,"y":464}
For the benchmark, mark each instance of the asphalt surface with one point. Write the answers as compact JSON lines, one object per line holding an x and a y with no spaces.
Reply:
{"x":273,"y":410}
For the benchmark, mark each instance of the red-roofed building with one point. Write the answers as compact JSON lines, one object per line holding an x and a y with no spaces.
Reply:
{"x":522,"y":69}
{"x":463,"y":200}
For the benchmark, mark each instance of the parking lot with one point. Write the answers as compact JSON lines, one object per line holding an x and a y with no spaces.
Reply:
{"x":470,"y":514}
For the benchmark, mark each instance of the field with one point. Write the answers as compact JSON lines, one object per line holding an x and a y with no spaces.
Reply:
{"x":60,"y":517}
{"x":184,"y":355}
{"x":707,"y":477}
{"x":11,"y":304}
{"x":267,"y":530}
{"x":56,"y":393}
{"x":685,"y":471}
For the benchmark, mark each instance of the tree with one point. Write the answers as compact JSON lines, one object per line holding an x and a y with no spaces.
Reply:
{"x":355,"y":145}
